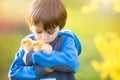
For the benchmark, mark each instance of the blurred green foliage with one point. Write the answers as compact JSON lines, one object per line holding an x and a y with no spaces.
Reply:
{"x":9,"y":46}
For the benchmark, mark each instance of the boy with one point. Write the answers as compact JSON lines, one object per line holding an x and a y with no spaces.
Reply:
{"x":46,"y":18}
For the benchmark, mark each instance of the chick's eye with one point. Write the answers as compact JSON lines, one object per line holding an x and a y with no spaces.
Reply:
{"x":33,"y":45}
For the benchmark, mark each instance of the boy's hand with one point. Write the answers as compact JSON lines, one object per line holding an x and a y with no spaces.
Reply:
{"x":48,"y":69}
{"x":27,"y":58}
{"x":24,"y":58}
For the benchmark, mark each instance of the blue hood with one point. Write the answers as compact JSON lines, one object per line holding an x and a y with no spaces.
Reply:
{"x":71,"y":34}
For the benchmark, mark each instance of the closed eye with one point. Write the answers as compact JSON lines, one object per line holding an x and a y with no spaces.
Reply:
{"x":50,"y":32}
{"x":39,"y":32}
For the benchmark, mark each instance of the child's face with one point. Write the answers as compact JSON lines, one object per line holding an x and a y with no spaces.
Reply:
{"x":43,"y":35}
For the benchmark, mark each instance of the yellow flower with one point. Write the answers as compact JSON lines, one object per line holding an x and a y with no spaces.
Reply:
{"x":109,"y":47}
{"x":96,"y":66}
{"x":101,"y":43}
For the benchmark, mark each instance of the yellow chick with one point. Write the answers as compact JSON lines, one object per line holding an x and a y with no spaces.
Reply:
{"x":47,"y":48}
{"x":38,"y":45}
{"x":27,"y":44}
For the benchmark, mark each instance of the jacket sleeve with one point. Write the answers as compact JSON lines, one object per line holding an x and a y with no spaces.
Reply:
{"x":68,"y":56}
{"x":18,"y":68}
{"x":62,"y":68}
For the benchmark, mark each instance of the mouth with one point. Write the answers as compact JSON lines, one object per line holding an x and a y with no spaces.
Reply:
{"x":45,"y":42}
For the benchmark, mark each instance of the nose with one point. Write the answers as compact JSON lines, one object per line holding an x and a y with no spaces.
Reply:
{"x":44,"y":37}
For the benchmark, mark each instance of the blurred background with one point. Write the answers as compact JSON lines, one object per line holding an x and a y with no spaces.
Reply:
{"x":86,"y":18}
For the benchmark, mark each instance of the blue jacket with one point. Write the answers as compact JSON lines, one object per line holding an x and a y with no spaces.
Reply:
{"x":63,"y":60}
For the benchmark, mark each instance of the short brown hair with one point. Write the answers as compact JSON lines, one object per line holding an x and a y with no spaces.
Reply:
{"x":51,"y":13}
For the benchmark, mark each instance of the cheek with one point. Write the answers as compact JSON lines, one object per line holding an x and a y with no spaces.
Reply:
{"x":38,"y":36}
{"x":52,"y":37}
